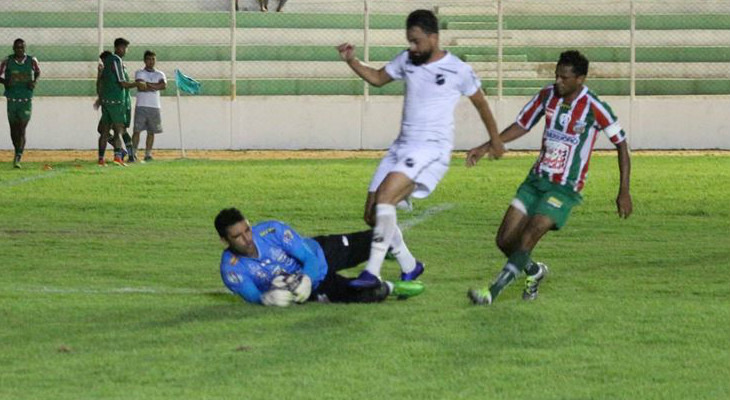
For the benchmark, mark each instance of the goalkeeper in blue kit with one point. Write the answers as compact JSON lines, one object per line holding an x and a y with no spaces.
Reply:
{"x":271,"y":264}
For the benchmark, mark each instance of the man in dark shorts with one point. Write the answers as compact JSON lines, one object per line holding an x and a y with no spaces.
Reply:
{"x":272,"y":265}
{"x":19,"y":73}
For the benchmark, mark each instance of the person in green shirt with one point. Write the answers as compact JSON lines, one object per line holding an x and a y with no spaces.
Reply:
{"x":112,"y":87}
{"x":19,"y":72}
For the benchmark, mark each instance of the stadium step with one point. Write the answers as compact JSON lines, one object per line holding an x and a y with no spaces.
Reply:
{"x":465,"y":10}
{"x":508,"y":74}
{"x":508,"y":91}
{"x":472,"y":26}
{"x":507,"y":58}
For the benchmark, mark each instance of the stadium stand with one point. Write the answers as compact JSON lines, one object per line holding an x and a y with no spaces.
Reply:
{"x":681,"y":51}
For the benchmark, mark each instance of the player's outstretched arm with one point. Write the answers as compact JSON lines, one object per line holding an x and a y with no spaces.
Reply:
{"x":496,"y":149}
{"x":513,"y":132}
{"x":623,"y":200}
{"x":375,"y":77}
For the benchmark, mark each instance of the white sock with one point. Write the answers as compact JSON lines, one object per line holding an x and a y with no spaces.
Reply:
{"x":385,"y":225}
{"x":401,"y":253}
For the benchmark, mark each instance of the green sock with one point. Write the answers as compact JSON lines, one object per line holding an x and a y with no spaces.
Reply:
{"x":515,"y":264}
{"x":532,"y":268}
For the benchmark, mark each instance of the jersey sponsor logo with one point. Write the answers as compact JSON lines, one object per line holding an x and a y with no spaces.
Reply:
{"x":288,"y":236}
{"x":554,"y":157}
{"x":410,"y":163}
{"x":554,"y":202}
{"x":440,"y":79}
{"x":565,"y":119}
{"x":235,"y":277}
{"x":233,"y":260}
{"x":278,"y":255}
{"x":261,"y":275}
{"x":267,"y":231}
{"x":552,"y":134}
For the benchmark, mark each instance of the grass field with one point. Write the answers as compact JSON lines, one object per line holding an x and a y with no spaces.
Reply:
{"x":109,"y":287}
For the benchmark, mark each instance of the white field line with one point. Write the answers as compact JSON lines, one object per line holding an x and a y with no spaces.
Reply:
{"x":15,"y":182}
{"x":425,"y":215}
{"x":405,"y":225}
{"x":123,"y":290}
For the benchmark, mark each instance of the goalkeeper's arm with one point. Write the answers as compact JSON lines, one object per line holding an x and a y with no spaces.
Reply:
{"x":278,"y":295}
{"x":248,"y":290}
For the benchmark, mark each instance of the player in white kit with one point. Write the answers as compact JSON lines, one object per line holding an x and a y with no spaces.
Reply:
{"x":419,"y":157}
{"x":147,"y":115}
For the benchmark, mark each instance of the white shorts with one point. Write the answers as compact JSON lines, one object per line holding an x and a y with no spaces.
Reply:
{"x":423,"y":164}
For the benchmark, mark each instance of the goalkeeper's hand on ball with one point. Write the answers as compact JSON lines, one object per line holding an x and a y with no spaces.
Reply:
{"x":277,"y":297}
{"x":299,"y":285}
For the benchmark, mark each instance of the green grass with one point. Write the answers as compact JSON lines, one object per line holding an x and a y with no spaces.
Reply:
{"x":633,"y":309}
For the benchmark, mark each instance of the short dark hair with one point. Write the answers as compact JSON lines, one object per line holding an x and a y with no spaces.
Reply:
{"x":121,"y":42}
{"x":578,"y":61}
{"x":227,"y":218}
{"x":104,"y":54}
{"x":424,"y":19}
{"x":149,"y":53}
{"x":18,"y":40}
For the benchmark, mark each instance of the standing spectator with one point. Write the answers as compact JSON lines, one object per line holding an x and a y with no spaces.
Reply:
{"x":19,"y":72}
{"x":264,"y":5}
{"x":147,"y":115}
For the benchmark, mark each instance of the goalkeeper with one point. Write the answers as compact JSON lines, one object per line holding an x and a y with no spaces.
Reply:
{"x":271,"y":264}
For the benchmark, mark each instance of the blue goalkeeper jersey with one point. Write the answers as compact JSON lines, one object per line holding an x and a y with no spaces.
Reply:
{"x":281,"y":250}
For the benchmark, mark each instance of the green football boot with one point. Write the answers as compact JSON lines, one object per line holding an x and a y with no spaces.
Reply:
{"x":480,"y":296}
{"x":532,"y":282}
{"x":407,"y":289}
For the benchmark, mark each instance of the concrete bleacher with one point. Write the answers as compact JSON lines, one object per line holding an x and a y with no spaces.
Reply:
{"x":292,"y":53}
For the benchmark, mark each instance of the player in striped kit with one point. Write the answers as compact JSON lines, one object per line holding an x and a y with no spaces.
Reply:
{"x":573,"y":117}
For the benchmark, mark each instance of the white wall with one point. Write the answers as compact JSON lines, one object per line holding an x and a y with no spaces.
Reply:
{"x":342,"y":122}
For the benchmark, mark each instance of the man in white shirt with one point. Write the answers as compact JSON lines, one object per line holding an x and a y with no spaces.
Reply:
{"x":147,"y":115}
{"x":434,"y":81}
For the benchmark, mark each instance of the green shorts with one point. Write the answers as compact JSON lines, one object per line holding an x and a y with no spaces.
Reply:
{"x":113,"y":113}
{"x":19,"y":111}
{"x":540,"y":196}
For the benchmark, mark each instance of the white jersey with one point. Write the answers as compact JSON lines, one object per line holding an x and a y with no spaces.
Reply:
{"x":431,"y":93}
{"x":149,"y":99}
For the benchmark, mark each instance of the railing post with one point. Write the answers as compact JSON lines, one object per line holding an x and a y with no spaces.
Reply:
{"x":499,"y":49}
{"x":233,"y":71}
{"x":366,"y":45}
{"x":632,"y":46}
{"x":100,"y":25}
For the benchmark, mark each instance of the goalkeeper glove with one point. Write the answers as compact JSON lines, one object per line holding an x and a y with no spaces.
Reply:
{"x":301,"y":287}
{"x":277,"y":297}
